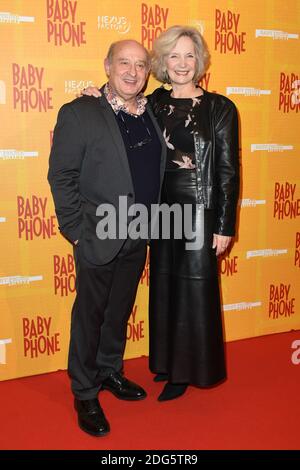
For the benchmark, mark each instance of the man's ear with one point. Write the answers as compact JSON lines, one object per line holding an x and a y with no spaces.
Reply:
{"x":107,"y":66}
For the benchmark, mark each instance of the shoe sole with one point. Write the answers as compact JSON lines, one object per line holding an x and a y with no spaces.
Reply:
{"x":95,"y":434}
{"x":123,"y":398}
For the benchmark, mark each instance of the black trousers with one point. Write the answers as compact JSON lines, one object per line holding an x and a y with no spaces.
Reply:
{"x":104,"y":300}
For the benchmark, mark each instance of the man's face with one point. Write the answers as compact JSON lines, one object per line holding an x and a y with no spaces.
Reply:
{"x":128,"y":69}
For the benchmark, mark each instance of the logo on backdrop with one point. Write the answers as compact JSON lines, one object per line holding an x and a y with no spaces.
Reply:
{"x":246,"y":91}
{"x":64,"y":275}
{"x":198,"y":24}
{"x":7,"y":17}
{"x":228,"y":37}
{"x":75,"y":86}
{"x":271,"y":147}
{"x":241,"y":306}
{"x":265,"y":253}
{"x":2,"y":92}
{"x":3,"y":346}
{"x":33,"y":221}
{"x":281,"y":302}
{"x":38,"y":337}
{"x":251,"y":202}
{"x":275,"y":34}
{"x":13,"y":154}
{"x":135,"y":327}
{"x":286,"y":204}
{"x":228,"y":266}
{"x":120,"y":24}
{"x":297,"y":250}
{"x":19,"y":280}
{"x":154,"y":22}
{"x":289,"y":93}
{"x":28,"y":91}
{"x":63,"y":26}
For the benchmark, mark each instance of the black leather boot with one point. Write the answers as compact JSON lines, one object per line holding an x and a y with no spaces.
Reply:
{"x":172,"y":391}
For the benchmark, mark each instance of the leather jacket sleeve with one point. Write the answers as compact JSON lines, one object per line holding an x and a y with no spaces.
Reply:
{"x":226,"y":168}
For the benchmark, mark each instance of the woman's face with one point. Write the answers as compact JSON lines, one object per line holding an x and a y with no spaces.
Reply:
{"x":181,"y":62}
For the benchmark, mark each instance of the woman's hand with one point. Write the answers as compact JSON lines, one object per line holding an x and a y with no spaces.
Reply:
{"x":221,"y":242}
{"x":91,"y":91}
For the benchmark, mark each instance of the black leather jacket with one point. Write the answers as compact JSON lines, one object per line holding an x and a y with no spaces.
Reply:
{"x":217,"y":156}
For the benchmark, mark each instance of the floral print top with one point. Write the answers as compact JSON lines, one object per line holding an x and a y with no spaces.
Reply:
{"x":176,"y":117}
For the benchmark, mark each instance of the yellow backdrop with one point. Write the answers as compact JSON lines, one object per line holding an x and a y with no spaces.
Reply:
{"x":50,"y":50}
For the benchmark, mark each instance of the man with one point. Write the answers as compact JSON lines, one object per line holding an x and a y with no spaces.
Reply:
{"x":103,"y":149}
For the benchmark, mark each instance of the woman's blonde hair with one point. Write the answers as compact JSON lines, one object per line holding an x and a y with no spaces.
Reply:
{"x":167,"y":40}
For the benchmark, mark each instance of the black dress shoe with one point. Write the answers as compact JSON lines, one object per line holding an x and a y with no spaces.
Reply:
{"x":160,"y":378}
{"x":123,"y":388}
{"x":172,"y":391}
{"x":91,"y":418}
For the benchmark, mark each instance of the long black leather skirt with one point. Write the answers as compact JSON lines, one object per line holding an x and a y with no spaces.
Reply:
{"x":185,"y":322}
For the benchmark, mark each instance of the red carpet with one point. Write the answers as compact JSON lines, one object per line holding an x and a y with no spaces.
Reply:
{"x":258,"y":407}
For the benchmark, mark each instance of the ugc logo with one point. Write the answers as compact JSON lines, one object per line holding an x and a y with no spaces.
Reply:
{"x":296,"y":354}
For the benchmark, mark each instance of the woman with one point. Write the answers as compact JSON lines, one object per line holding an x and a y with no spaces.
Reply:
{"x":201,"y":133}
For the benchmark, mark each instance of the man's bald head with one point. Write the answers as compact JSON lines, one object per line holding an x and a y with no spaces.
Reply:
{"x":127,"y":42}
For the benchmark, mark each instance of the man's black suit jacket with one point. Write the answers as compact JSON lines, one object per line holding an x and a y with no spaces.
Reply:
{"x":88,"y":166}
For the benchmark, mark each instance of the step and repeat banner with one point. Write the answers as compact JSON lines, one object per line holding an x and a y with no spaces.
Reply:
{"x":50,"y":50}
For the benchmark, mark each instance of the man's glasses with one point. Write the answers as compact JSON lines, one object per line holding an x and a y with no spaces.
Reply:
{"x":141,"y":143}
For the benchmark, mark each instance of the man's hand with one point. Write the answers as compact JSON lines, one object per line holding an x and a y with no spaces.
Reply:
{"x":221,"y":242}
{"x":91,"y":91}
